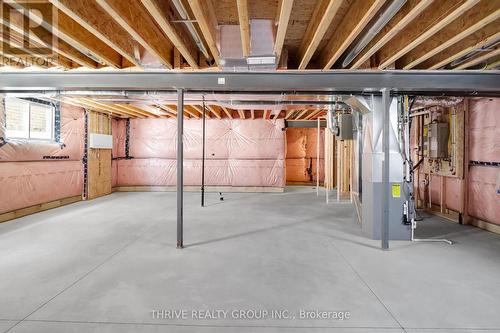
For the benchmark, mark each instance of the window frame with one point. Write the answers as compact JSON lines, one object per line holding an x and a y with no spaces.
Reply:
{"x":55,"y":120}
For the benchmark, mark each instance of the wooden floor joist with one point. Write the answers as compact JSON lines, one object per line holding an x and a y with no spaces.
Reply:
{"x":437,"y":16}
{"x":477,"y":41}
{"x":470,"y":22}
{"x":185,"y":35}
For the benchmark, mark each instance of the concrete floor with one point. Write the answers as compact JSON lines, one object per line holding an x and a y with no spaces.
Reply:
{"x":105,"y":265}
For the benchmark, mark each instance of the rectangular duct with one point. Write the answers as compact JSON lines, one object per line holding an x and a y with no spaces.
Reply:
{"x":262,"y":57}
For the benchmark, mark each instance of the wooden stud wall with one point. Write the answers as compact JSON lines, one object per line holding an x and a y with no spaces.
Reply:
{"x":99,"y":160}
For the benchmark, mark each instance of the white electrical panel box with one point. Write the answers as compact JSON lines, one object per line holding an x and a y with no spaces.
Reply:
{"x":101,"y":141}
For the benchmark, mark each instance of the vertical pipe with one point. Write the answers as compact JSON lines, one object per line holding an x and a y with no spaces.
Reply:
{"x":339,"y":168}
{"x":203,"y":158}
{"x":317,"y":157}
{"x":384,"y":225}
{"x":465,"y":182}
{"x":180,"y":171}
{"x":328,"y":154}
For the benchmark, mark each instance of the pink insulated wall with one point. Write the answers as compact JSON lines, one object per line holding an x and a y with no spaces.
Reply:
{"x":240,"y":153}
{"x":484,"y":146}
{"x":32,"y":173}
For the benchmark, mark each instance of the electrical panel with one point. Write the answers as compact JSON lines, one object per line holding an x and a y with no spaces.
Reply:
{"x":345,"y":129}
{"x":437,"y":135}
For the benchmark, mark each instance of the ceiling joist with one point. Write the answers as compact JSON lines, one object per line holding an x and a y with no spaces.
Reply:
{"x":321,"y":19}
{"x":475,"y":42}
{"x":204,"y":14}
{"x":284,"y":17}
{"x":244,"y":26}
{"x":357,"y":17}
{"x":39,"y":35}
{"x":134,"y":19}
{"x":470,"y":22}
{"x":430,"y":21}
{"x":103,"y":35}
{"x":405,"y":16}
{"x":480,"y":59}
{"x":160,"y":10}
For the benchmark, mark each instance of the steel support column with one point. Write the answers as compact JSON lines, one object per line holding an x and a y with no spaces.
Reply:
{"x":180,"y":170}
{"x":384,"y":225}
{"x":203,"y":155}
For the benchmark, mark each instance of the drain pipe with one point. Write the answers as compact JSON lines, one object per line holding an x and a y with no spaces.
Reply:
{"x":381,"y":21}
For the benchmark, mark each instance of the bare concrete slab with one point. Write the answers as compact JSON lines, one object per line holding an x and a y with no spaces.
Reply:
{"x":110,"y":265}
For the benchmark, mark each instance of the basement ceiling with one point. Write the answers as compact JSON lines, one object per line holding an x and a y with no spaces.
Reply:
{"x":137,"y":35}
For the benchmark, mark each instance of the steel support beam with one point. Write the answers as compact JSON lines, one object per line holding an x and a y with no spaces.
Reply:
{"x":180,"y":169}
{"x":470,"y":82}
{"x":384,"y":225}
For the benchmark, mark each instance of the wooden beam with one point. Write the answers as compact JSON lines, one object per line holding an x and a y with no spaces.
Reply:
{"x":241,"y":113}
{"x":288,"y":114}
{"x":252,"y":114}
{"x":127,"y":109}
{"x":432,"y":20}
{"x":160,"y":10}
{"x":228,"y":113}
{"x":173,"y":109}
{"x":301,"y":113}
{"x":101,"y":34}
{"x":410,"y":10}
{"x":71,"y":32}
{"x":40,"y":35}
{"x":107,"y":107}
{"x":494,"y":64}
{"x":193,"y":113}
{"x":140,"y":110}
{"x":470,"y":22}
{"x":244,"y":26}
{"x":474,"y":42}
{"x":355,"y":20}
{"x":478,"y":60}
{"x":285,"y":11}
{"x":134,"y":19}
{"x":213,"y":109}
{"x":321,"y":19}
{"x":267,"y":114}
{"x":28,"y":57}
{"x":204,"y":14}
{"x":312,"y":114}
{"x":155,"y":110}
{"x":78,"y":103}
{"x":199,"y":108}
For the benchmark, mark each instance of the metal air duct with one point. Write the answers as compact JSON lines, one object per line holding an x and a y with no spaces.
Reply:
{"x":381,"y":21}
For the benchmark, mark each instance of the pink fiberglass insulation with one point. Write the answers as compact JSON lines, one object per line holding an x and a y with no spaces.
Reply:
{"x":26,"y":184}
{"x":301,"y":154}
{"x":33,"y":172}
{"x":70,"y":147}
{"x":225,"y":139}
{"x":453,"y":193}
{"x":118,"y":131}
{"x":484,"y":146}
{"x":484,"y":129}
{"x":484,"y":196}
{"x":114,"y":173}
{"x":238,"y":152}
{"x":162,"y":172}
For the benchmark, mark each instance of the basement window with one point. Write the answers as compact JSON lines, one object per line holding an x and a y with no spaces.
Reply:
{"x":30,"y":119}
